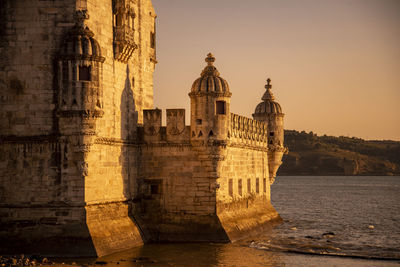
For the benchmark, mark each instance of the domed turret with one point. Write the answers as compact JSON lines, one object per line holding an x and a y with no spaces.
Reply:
{"x":210,"y":81}
{"x":268,"y":106}
{"x":79,"y":72}
{"x":210,"y":100}
{"x":80,"y":44}
{"x":270,"y":112}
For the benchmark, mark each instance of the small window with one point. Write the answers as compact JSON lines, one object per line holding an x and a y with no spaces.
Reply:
{"x":155,"y":189}
{"x":231,"y":187}
{"x":211,"y":133}
{"x":152,"y":40}
{"x":264,"y":185}
{"x":257,"y":185}
{"x":84,"y":73}
{"x":248,"y":186}
{"x":118,"y":20}
{"x":199,"y":121}
{"x":271,"y":134}
{"x":240,"y":187}
{"x":221,"y":107}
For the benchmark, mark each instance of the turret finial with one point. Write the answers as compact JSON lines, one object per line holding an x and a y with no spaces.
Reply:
{"x":268,"y":95}
{"x":80,"y":17}
{"x":210,"y":59}
{"x":268,"y":85}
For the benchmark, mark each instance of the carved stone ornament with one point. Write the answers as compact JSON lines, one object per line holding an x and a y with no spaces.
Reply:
{"x":152,"y":126}
{"x":175,"y":122}
{"x":124,"y":17}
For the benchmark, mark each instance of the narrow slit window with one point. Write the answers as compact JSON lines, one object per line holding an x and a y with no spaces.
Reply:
{"x":248,"y":186}
{"x":240,"y":186}
{"x":257,"y":185}
{"x":231,"y":187}
{"x":152,"y":40}
{"x":221,"y":107}
{"x":264,"y":185}
{"x":84,"y":73}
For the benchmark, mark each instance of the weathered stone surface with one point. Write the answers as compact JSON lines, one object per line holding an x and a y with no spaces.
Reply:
{"x":85,"y":161}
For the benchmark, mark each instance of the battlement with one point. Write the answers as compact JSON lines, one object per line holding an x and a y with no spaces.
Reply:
{"x":175,"y":131}
{"x":248,"y":132}
{"x":243,"y":131}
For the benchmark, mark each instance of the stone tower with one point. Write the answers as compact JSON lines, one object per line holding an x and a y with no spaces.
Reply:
{"x":209,"y":105}
{"x":75,"y":76}
{"x":270,"y":112}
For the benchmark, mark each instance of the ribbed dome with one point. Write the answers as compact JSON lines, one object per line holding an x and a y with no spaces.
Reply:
{"x":268,"y":105}
{"x":210,"y":81}
{"x":79,"y":44}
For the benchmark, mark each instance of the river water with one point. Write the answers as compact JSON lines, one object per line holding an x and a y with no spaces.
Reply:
{"x":328,"y":221}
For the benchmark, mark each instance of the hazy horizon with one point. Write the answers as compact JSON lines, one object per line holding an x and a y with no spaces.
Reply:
{"x":334,"y":64}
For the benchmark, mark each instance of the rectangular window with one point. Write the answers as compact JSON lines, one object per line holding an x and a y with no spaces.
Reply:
{"x":271,"y":134}
{"x":231,"y":187}
{"x":265,"y":185}
{"x":257,"y":185}
{"x":84,"y":73}
{"x":240,"y":187}
{"x":152,"y":40}
{"x":248,"y":186}
{"x":154,"y":189}
{"x":198,"y":121}
{"x":221,"y":107}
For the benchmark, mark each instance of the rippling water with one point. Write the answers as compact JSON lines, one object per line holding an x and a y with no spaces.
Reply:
{"x":353,"y":216}
{"x":328,"y":221}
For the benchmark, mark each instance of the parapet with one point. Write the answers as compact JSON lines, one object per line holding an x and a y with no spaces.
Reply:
{"x":175,"y":132}
{"x":248,"y":132}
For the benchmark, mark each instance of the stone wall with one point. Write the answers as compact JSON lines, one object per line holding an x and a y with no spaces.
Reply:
{"x":176,"y":182}
{"x":73,"y":164}
{"x":191,"y":190}
{"x":243,"y":198}
{"x":32,"y":33}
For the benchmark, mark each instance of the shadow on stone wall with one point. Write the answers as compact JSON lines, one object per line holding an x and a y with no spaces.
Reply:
{"x":129,"y":119}
{"x":129,"y":151}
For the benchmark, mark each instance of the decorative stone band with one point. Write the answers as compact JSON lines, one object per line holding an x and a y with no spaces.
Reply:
{"x":214,"y":94}
{"x":81,"y":113}
{"x":115,"y":142}
{"x":248,"y":132}
{"x":276,"y":148}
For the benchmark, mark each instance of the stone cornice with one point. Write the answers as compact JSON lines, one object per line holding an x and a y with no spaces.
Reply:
{"x":248,"y":146}
{"x":30,"y":139}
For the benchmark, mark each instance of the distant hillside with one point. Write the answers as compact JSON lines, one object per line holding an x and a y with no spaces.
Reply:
{"x":310,"y":154}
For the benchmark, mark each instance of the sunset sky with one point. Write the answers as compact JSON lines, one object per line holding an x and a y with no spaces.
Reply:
{"x":334,"y":64}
